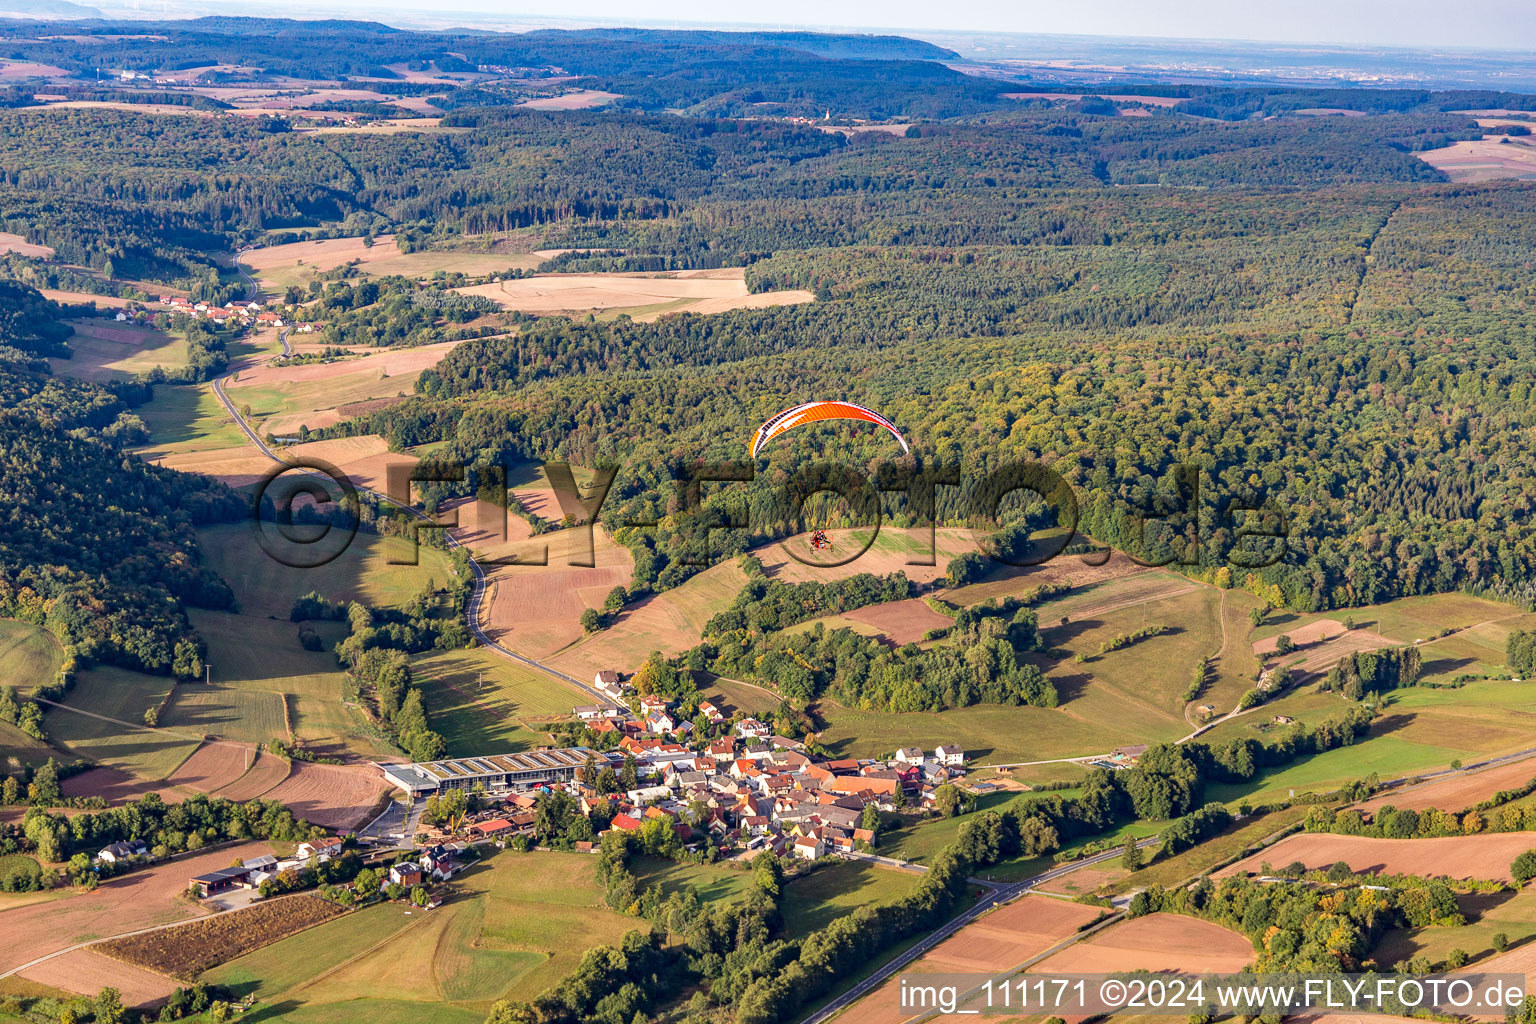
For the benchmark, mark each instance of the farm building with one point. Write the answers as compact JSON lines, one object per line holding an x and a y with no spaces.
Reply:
{"x":496,"y":771}
{"x":220,"y":881}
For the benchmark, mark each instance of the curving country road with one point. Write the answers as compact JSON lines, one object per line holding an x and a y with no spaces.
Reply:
{"x":477,"y":594}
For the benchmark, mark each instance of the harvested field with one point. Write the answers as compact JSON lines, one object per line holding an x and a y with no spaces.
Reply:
{"x":1458,"y":792}
{"x":1316,"y":659}
{"x":87,"y":972}
{"x":536,"y":609}
{"x":104,"y":301}
{"x":1484,"y":856}
{"x":646,"y":295}
{"x":580,"y":99}
{"x":1072,"y":570}
{"x":363,"y":459}
{"x":213,"y":766}
{"x":1156,"y":942}
{"x":391,"y":361}
{"x":1311,"y":633}
{"x":266,"y":773}
{"x":30,"y":69}
{"x":670,"y":622}
{"x":324,"y":254}
{"x":901,"y":622}
{"x":116,"y":786}
{"x":331,"y":796}
{"x":996,"y":942}
{"x":191,"y":949}
{"x":1487,"y":159}
{"x":893,"y":551}
{"x":139,"y":899}
{"x":1119,"y":593}
{"x":17,"y":243}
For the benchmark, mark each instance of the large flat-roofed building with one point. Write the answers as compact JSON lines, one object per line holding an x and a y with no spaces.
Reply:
{"x":493,"y":771}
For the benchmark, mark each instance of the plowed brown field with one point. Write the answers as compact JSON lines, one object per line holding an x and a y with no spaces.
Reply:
{"x":1156,"y":942}
{"x":1481,"y":856}
{"x":331,"y":796}
{"x":1458,"y":792}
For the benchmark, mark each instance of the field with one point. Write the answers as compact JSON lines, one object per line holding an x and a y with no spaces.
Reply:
{"x":249,"y":716}
{"x":106,"y":351}
{"x":1419,"y":729}
{"x":670,"y":622}
{"x":87,"y":972}
{"x":901,"y":622}
{"x":16,"y":243}
{"x":1510,"y":912}
{"x":893,"y":550}
{"x":579,"y":99}
{"x":17,"y":748}
{"x":264,"y":774}
{"x":331,"y":796}
{"x":140,"y":899}
{"x":279,"y":266}
{"x":363,"y":460}
{"x":513,"y":927}
{"x":1458,"y":792}
{"x":837,"y":889}
{"x":1156,"y":942}
{"x":535,"y":609}
{"x":723,"y":881}
{"x":483,"y":703}
{"x":1406,"y":620}
{"x":282,"y":398}
{"x":123,"y":696}
{"x":1491,"y":158}
{"x":29,"y":655}
{"x":274,"y":969}
{"x":643,"y":296}
{"x":1320,"y":645}
{"x":257,"y":665}
{"x":362,"y":573}
{"x":1485,"y":856}
{"x":214,"y":766}
{"x":189,"y":950}
{"x":995,"y":943}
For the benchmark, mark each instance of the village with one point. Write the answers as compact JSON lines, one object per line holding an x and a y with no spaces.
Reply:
{"x":738,"y":794}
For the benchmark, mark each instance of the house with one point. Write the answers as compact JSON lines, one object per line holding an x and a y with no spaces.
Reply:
{"x":588,"y":712}
{"x":608,"y":682}
{"x":909,"y":755}
{"x":624,"y":823}
{"x":809,"y":847}
{"x":660,"y":723}
{"x":119,"y":852}
{"x":439,"y":862}
{"x":266,"y":864}
{"x":406,"y":875}
{"x":710,"y":712}
{"x":752,"y":729}
{"x":949,"y":755}
{"x":494,"y":827}
{"x":321,"y":850}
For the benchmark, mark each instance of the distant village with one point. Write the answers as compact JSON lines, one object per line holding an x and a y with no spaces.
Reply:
{"x":744,"y":792}
{"x":237,"y":312}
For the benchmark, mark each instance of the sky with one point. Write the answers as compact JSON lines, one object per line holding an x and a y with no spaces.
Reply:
{"x":1498,"y":24}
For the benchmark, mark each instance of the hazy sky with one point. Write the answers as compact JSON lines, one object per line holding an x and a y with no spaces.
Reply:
{"x":1504,"y":24}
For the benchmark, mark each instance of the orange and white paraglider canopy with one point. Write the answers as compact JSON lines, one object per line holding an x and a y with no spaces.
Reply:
{"x":810,"y":412}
